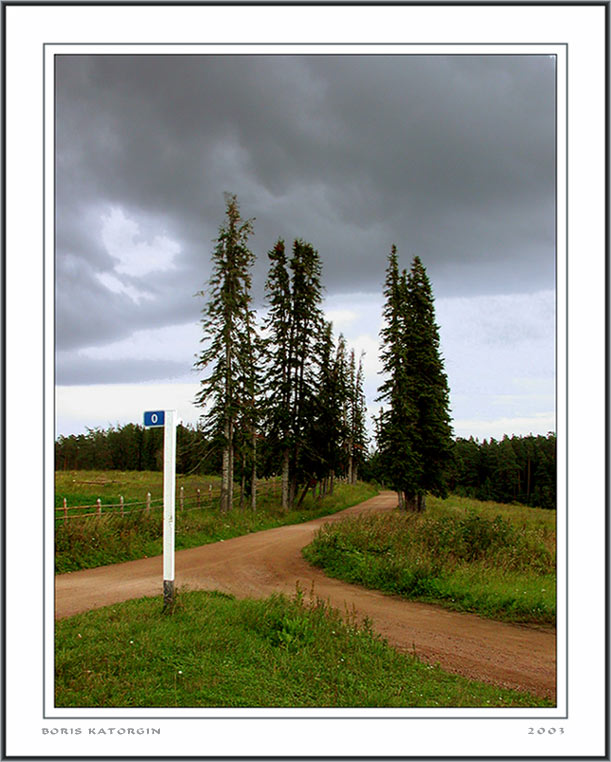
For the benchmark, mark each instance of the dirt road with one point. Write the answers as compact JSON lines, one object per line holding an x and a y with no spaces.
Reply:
{"x":259,"y":564}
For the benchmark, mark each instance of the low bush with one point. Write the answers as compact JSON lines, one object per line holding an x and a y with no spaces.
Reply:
{"x":458,"y":555}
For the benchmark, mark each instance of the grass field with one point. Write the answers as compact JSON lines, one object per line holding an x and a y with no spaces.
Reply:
{"x":492,"y":559}
{"x":215,"y":651}
{"x":82,"y":543}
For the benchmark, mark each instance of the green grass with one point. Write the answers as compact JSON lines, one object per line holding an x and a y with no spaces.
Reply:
{"x":215,"y":651}
{"x":83,"y":543}
{"x":495,"y":560}
{"x":85,"y":487}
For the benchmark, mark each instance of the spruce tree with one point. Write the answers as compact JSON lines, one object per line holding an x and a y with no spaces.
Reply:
{"x":350,"y":410}
{"x":248,"y":387}
{"x":358,"y":418}
{"x":306,"y":327}
{"x":226,"y":325}
{"x":427,"y":386}
{"x":293,"y":326}
{"x":278,"y":352}
{"x":331,"y":422}
{"x":414,"y":431}
{"x":397,"y":457}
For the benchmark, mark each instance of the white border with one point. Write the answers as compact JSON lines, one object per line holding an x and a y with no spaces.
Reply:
{"x":51,"y":50}
{"x":583,"y":28}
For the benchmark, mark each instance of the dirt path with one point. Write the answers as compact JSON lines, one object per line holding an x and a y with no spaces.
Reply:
{"x":259,"y":564}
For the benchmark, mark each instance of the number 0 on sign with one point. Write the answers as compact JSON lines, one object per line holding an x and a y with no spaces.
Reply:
{"x":154,"y":418}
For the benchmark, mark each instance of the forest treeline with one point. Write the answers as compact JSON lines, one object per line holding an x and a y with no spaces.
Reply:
{"x":134,"y":448}
{"x":514,"y":469}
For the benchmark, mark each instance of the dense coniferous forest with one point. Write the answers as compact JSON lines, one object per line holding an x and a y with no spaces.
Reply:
{"x":514,"y":469}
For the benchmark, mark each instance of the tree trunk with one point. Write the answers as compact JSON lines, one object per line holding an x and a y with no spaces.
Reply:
{"x":411,"y":503}
{"x":304,"y":492}
{"x":421,"y":503}
{"x":230,"y":469}
{"x":285,"y":480}
{"x":355,"y":469}
{"x":243,"y":483}
{"x":253,"y":477}
{"x":331,"y":481}
{"x":225,"y":475}
{"x":292,"y":491}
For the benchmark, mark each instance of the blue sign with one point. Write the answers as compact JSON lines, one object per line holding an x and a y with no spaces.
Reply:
{"x":154,"y":418}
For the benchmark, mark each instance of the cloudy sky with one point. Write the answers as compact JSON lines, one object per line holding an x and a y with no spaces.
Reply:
{"x":451,"y":158}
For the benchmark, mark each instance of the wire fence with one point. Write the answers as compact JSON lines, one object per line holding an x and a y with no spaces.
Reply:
{"x":201,"y":499}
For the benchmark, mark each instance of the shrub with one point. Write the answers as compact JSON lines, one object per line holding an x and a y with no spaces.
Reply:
{"x":466,"y":558}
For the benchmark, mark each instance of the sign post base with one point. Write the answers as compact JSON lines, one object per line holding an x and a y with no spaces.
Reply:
{"x":168,"y":593}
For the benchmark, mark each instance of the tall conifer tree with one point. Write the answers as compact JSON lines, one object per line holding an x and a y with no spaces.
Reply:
{"x":428,"y":386}
{"x":294,"y":325}
{"x":278,"y":353}
{"x":306,"y":327}
{"x":227,"y":328}
{"x":415,"y":434}
{"x":358,"y":417}
{"x":398,"y":459}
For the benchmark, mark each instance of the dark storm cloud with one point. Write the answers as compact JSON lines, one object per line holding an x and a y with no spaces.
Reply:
{"x":451,"y":158}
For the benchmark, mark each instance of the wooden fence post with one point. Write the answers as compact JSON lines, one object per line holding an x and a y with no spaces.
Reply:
{"x":65,"y":510}
{"x":148,"y":502}
{"x":182,"y":498}
{"x":122,"y":505}
{"x":199,"y":496}
{"x":99,"y":511}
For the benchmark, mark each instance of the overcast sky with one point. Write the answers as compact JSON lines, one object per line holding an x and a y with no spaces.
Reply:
{"x":451,"y":158}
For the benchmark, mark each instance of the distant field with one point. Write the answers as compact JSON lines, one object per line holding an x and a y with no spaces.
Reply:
{"x":215,"y":651}
{"x":493,"y":559}
{"x":86,"y":542}
{"x":85,"y":487}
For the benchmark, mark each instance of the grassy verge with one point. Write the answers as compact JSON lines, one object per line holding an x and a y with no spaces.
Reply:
{"x":83,"y":543}
{"x":215,"y":651}
{"x":491,"y":559}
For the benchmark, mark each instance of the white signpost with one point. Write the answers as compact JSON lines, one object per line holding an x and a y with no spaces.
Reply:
{"x":168,"y":421}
